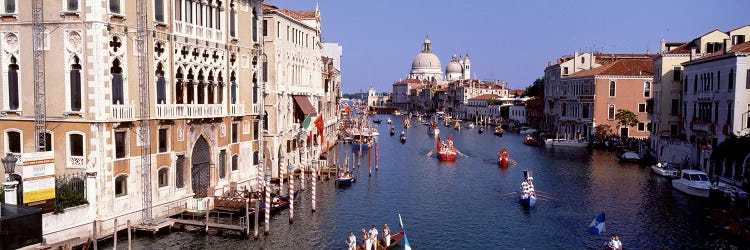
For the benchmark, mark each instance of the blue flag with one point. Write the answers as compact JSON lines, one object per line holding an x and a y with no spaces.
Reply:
{"x":406,"y":240}
{"x":597,"y":226}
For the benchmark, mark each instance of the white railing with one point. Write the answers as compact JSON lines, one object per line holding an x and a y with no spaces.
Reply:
{"x":76,"y":161}
{"x":255,"y":109}
{"x":219,"y":35}
{"x":188,"y":29}
{"x":199,"y":32}
{"x":177,"y":111}
{"x":122,"y":111}
{"x":237,"y":109}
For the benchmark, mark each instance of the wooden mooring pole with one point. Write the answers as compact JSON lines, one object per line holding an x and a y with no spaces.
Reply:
{"x":291,"y":194}
{"x":93,"y":235}
{"x":130,"y":243}
{"x":257,"y":213}
{"x":114,"y":241}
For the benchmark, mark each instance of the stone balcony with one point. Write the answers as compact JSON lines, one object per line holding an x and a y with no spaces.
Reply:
{"x":199,"y":32}
{"x":122,"y":112}
{"x":189,"y":111}
{"x":237,"y":109}
{"x":76,"y":162}
{"x":255,"y":109}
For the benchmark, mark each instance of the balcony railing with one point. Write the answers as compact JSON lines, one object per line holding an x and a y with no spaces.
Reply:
{"x":76,"y":161}
{"x":200,"y":32}
{"x":704,"y":126}
{"x":237,"y":109}
{"x":255,"y":109}
{"x":122,"y":111}
{"x":178,"y":111}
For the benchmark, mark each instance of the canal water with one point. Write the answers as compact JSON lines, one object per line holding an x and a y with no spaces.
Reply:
{"x":461,"y":205}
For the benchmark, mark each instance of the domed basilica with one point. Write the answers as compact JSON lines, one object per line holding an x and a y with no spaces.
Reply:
{"x":426,"y":66}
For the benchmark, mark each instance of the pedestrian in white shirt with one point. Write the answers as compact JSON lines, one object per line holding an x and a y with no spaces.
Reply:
{"x":352,"y":242}
{"x":374,"y":237}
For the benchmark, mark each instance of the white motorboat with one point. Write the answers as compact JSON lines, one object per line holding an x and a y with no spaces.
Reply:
{"x":693,"y":182}
{"x":665,"y":169}
{"x":629,"y":156}
{"x":388,"y":121}
{"x":471,"y":125}
{"x":528,"y":131}
{"x":565,"y":143}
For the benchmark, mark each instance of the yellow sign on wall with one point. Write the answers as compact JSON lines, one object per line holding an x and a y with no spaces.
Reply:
{"x":39,"y":195}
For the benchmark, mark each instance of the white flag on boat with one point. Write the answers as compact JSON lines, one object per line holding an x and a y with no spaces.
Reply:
{"x":406,"y":240}
{"x":597,"y":225}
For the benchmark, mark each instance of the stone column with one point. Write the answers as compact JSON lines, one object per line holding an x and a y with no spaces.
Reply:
{"x":91,"y":187}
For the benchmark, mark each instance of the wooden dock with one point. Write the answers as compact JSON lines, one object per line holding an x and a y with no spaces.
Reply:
{"x":209,"y":225}
{"x":154,"y":226}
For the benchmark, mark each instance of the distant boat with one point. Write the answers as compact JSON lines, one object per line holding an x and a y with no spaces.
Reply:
{"x":503,"y":157}
{"x":457,"y":125}
{"x":481,"y":129}
{"x":528,"y":194}
{"x":628,"y":156}
{"x":388,"y":121}
{"x":693,"y":182}
{"x":666,"y":170}
{"x":529,"y":140}
{"x":471,"y":125}
{"x":445,"y":149}
{"x":403,"y":138}
{"x":378,"y":121}
{"x":396,"y":112}
{"x":345,"y":181}
{"x":565,"y":143}
{"x":499,"y":131}
{"x":393,"y":131}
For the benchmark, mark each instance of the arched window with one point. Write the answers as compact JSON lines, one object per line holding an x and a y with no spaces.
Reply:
{"x":75,"y":85}
{"x":190,"y":90}
{"x":647,"y":89}
{"x":235,"y":162}
{"x":612,"y":87}
{"x":201,"y":88}
{"x":13,"y":95}
{"x":118,"y":96}
{"x":233,"y":88}
{"x":163,"y":177}
{"x":611,"y":112}
{"x":178,"y":87}
{"x":161,"y":85}
{"x":220,"y":89}
{"x":121,"y":185}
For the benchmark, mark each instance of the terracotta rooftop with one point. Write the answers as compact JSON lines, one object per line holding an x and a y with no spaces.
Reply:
{"x":485,"y":97}
{"x":739,"y":48}
{"x":299,"y":15}
{"x":682,"y":49}
{"x":622,"y":67}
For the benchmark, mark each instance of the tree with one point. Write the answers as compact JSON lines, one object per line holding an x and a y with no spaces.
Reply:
{"x":536,"y":88}
{"x":626,"y":118}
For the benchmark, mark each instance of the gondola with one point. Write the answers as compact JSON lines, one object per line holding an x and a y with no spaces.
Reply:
{"x":378,"y":121}
{"x":503,"y":157}
{"x":395,"y":238}
{"x":481,"y":129}
{"x":393,"y":131}
{"x":403,"y":138}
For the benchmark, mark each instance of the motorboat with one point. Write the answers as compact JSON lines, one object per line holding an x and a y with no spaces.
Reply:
{"x":388,"y":121}
{"x":403,"y":137}
{"x":499,"y":131}
{"x":529,"y":140}
{"x":434,"y":130}
{"x":565,"y":143}
{"x":393,"y":131}
{"x":397,"y":113}
{"x":628,"y":156}
{"x":471,"y":125}
{"x":345,"y":181}
{"x":665,"y":169}
{"x":528,"y":130}
{"x":693,"y":182}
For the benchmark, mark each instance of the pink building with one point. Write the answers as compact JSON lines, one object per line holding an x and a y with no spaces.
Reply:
{"x":589,"y":99}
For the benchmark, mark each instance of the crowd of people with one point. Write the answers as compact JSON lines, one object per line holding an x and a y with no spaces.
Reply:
{"x":613,"y":142}
{"x":527,"y":188}
{"x":370,"y":238}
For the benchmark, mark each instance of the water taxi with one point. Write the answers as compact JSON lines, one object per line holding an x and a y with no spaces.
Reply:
{"x":693,"y":182}
{"x":666,"y":170}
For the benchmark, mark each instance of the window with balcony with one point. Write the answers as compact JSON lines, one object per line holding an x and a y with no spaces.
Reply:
{"x":120,"y":144}
{"x":611,"y":112}
{"x":118,"y":95}
{"x":223,"y":164}
{"x":647,"y":89}
{"x":163,"y":140}
{"x":179,"y":180}
{"x":161,"y":85}
{"x":612,"y":88}
{"x":235,"y":162}
{"x":13,"y":141}
{"x":13,"y":87}
{"x":159,"y":11}
{"x":75,"y":150}
{"x":121,"y":185}
{"x":163,"y":177}
{"x":233,"y":88}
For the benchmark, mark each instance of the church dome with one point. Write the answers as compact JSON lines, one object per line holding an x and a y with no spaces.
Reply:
{"x":453,"y":67}
{"x":426,"y":60}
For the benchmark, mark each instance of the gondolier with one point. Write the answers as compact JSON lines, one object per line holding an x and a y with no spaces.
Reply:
{"x":352,"y":241}
{"x":374,"y":237}
{"x":386,"y":235}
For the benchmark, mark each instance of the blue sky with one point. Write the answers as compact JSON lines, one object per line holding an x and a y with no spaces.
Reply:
{"x":506,"y":40}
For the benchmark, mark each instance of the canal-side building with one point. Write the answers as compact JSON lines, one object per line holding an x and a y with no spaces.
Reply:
{"x":201,"y":75}
{"x":295,"y":90}
{"x":460,"y":91}
{"x":589,"y":99}
{"x":716,"y":98}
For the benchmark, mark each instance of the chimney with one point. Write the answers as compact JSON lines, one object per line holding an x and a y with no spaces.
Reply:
{"x":727,"y":45}
{"x":692,"y":53}
{"x":549,"y":63}
{"x":663,"y":46}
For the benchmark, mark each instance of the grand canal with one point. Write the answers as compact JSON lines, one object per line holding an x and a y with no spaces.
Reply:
{"x":460,"y":205}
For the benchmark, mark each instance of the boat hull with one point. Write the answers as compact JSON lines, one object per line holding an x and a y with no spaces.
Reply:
{"x":527,"y":202}
{"x":434,"y":131}
{"x":503,"y":162}
{"x":447,"y":156}
{"x":345,"y":182}
{"x":666,"y":172}
{"x":691,"y":190}
{"x":356,"y":145}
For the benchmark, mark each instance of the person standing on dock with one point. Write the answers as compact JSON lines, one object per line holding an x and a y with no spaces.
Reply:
{"x":352,"y":242}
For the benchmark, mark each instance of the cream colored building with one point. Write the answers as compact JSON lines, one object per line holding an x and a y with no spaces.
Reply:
{"x":295,"y":87}
{"x":202,"y":77}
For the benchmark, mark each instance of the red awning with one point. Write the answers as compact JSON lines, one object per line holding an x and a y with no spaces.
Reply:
{"x":303,"y":102}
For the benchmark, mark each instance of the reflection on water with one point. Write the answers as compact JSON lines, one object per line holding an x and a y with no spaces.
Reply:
{"x":461,"y":205}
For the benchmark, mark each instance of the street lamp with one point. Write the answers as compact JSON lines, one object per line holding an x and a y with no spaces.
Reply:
{"x":9,"y":163}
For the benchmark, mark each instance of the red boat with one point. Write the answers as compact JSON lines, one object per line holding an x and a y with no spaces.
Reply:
{"x":503,"y":157}
{"x":529,"y":141}
{"x":445,"y":149}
